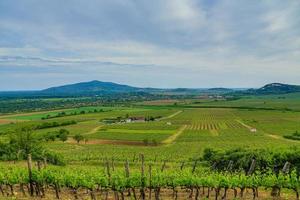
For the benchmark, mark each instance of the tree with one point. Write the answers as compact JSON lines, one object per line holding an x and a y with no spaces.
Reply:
{"x":63,"y":136}
{"x":50,"y":136}
{"x":145,"y":141}
{"x":78,"y":138}
{"x":24,"y":141}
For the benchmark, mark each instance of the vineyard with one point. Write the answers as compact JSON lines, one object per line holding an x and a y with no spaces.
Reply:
{"x":148,"y":182}
{"x":107,"y":163}
{"x":149,"y":100}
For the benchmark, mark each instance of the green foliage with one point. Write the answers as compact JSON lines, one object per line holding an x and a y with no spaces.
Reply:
{"x":22,"y":143}
{"x":54,"y":124}
{"x":61,"y":134}
{"x":78,"y":138}
{"x":241,"y":158}
{"x":93,"y":178}
{"x":294,"y":136}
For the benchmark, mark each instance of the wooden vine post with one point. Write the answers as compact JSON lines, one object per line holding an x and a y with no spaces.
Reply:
{"x":109,"y":177}
{"x":182,"y":165}
{"x":163,"y":166}
{"x":252,"y":167}
{"x":127,"y":169}
{"x":194,"y":166}
{"x":150,"y":182}
{"x":276,"y":190}
{"x":142,"y":191}
{"x":29,"y":164}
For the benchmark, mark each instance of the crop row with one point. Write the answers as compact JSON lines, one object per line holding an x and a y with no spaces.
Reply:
{"x":120,"y":181}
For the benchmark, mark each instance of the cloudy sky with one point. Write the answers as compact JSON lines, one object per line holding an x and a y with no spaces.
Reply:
{"x":155,"y":43}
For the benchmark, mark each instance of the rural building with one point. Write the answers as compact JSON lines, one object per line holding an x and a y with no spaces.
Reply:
{"x":136,"y":119}
{"x":253,"y":130}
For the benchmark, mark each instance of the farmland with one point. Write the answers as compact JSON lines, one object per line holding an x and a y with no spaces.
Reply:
{"x":205,"y":127}
{"x":174,"y":135}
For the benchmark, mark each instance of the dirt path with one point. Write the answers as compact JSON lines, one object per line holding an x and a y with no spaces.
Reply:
{"x":172,"y":115}
{"x":94,"y":130}
{"x":278,"y":137}
{"x":273,"y":136}
{"x":214,"y":132}
{"x":173,"y":137}
{"x":243,"y":124}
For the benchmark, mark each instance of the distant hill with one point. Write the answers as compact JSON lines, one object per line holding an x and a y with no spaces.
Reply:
{"x":92,"y":87}
{"x":101,"y":88}
{"x":275,"y":88}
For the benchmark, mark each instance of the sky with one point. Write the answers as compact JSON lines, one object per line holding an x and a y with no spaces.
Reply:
{"x":149,"y":43}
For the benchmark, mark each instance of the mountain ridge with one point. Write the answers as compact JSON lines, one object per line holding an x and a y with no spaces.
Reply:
{"x":98,"y":88}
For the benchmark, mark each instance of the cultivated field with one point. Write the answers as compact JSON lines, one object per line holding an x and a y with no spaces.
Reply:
{"x":175,"y":137}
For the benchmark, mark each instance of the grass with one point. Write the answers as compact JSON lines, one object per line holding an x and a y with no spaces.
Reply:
{"x":132,"y":135}
{"x":40,"y":115}
{"x":280,"y":102}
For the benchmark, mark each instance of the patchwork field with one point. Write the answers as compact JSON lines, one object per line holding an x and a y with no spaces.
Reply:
{"x":167,"y":137}
{"x":178,"y":133}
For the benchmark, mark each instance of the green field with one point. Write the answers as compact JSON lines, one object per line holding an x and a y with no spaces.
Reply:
{"x":179,"y":133}
{"x":220,"y":128}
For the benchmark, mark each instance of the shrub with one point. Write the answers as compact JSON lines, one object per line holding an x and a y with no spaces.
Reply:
{"x":78,"y":138}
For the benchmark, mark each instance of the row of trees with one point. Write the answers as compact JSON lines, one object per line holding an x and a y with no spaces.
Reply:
{"x":64,"y":114}
{"x":61,"y":134}
{"x":54,"y":124}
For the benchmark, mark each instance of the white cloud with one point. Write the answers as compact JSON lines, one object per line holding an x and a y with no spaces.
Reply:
{"x":224,"y":40}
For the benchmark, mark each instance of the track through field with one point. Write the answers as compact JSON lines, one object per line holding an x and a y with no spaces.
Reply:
{"x":172,"y":115}
{"x":173,"y":137}
{"x":94,"y":130}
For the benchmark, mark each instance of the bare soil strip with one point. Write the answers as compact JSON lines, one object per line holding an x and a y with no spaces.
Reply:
{"x":173,"y":137}
{"x":243,"y":124}
{"x":94,"y":130}
{"x":214,"y":132}
{"x":165,"y":194}
{"x":8,"y":121}
{"x":277,"y":137}
{"x":172,"y":115}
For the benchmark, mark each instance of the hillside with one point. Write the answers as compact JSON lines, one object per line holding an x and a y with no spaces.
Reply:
{"x":100,"y":88}
{"x":95,"y":87}
{"x":275,"y":88}
{"x":92,"y":87}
